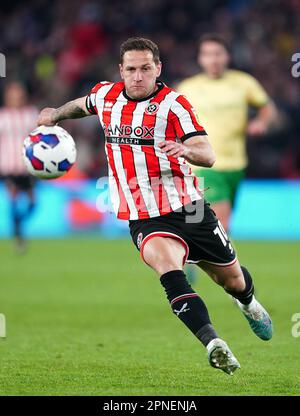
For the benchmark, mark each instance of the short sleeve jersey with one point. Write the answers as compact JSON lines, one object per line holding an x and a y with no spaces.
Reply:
{"x":145,"y":182}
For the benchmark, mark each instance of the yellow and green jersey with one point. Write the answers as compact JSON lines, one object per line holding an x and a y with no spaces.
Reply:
{"x":222,"y":106}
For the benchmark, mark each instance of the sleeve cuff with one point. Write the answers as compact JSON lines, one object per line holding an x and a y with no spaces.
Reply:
{"x":194,"y":133}
{"x":88,"y":105}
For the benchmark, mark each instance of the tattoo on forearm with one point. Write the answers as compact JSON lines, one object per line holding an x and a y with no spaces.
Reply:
{"x":69,"y":110}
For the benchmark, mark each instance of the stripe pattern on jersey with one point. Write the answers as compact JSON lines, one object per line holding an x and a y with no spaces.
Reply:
{"x":144,"y":181}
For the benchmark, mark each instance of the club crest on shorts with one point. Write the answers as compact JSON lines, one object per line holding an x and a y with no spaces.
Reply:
{"x":152,"y":108}
{"x":139,"y":240}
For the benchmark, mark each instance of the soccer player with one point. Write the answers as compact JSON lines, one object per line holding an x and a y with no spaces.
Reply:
{"x":17,"y":120}
{"x":151,"y":133}
{"x":222,"y":97}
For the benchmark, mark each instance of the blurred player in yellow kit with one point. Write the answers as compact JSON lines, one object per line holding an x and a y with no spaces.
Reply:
{"x":221,"y":97}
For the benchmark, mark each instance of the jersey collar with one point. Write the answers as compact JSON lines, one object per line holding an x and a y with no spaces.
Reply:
{"x":160,"y":86}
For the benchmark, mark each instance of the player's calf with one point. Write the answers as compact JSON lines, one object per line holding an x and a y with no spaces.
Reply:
{"x":258,"y":318}
{"x":241,"y":288}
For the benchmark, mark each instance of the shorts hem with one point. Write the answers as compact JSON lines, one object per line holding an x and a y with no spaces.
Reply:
{"x":220,"y":264}
{"x":189,"y":261}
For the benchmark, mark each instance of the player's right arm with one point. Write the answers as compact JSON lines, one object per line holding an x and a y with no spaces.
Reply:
{"x":194,"y":146}
{"x":72,"y":109}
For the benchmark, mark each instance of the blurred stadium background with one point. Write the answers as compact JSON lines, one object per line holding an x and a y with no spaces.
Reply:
{"x":59,"y":49}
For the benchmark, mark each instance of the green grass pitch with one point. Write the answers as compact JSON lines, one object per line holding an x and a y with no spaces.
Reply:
{"x":87,"y":317}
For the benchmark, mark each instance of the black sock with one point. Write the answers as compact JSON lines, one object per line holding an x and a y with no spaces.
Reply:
{"x":188,"y":306}
{"x":245,"y":297}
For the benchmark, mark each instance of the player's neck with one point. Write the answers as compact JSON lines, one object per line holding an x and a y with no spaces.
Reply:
{"x":151,"y":93}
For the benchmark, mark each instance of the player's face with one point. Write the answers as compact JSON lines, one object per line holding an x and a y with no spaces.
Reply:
{"x":213,"y":58}
{"x":139,"y":73}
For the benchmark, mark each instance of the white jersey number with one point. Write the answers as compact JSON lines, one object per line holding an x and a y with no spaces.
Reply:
{"x":219,"y":231}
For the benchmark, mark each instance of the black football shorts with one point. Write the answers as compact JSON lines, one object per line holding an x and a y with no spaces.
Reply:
{"x":204,"y":238}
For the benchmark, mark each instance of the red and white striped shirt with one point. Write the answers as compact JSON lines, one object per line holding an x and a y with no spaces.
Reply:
{"x":15,"y":125}
{"x":145,"y":182}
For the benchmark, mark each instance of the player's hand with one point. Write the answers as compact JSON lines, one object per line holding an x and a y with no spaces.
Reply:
{"x":173,"y":149}
{"x":256,"y":127}
{"x":47,"y":117}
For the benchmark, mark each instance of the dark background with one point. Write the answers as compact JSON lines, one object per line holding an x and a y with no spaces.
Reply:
{"x":60,"y":49}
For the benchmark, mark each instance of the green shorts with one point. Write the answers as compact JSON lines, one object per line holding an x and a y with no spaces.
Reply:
{"x":222,"y":185}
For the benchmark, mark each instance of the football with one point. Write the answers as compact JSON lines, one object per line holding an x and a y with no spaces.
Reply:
{"x":49,"y":152}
